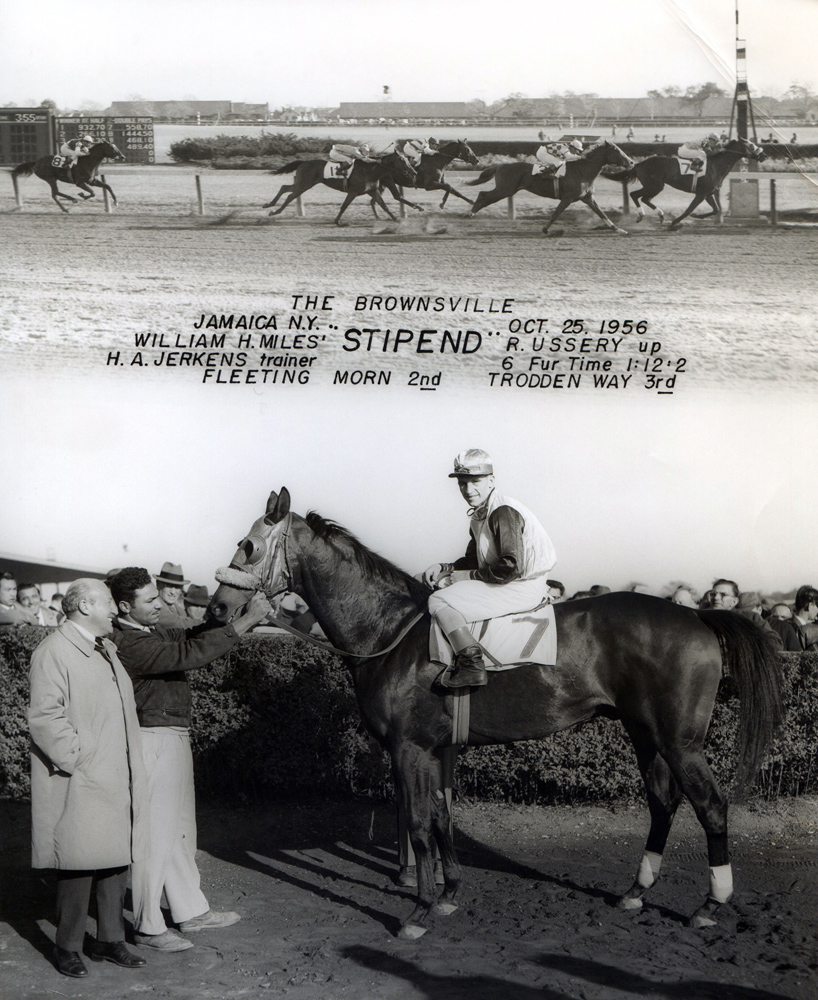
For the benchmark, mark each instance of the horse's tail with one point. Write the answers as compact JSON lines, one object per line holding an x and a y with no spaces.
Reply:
{"x":625,"y":176}
{"x":487,"y":175}
{"x":24,"y":170}
{"x":749,"y":658}
{"x":288,"y":168}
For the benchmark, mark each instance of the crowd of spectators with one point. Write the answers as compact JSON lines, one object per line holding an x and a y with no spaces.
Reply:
{"x":792,"y":624}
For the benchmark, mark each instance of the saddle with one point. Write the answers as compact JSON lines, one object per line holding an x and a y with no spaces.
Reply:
{"x":690,"y":167}
{"x":508,"y":641}
{"x":336,"y":171}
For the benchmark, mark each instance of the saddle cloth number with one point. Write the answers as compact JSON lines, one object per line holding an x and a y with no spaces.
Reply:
{"x":59,"y":162}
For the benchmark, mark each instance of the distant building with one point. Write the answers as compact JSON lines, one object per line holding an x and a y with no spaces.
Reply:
{"x":434,"y":110}
{"x":200,"y":110}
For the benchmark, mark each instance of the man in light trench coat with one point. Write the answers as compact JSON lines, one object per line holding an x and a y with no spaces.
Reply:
{"x":88,"y":782}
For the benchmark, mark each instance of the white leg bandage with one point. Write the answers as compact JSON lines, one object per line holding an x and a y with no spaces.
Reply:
{"x":721,"y":883}
{"x":648,"y":869}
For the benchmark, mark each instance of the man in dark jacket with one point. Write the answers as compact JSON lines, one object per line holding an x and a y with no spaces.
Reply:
{"x":157,"y":658}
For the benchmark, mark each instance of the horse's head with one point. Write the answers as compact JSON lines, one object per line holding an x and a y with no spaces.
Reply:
{"x":400,"y":168}
{"x":108,"y":151}
{"x":614,"y":156}
{"x":259,"y":562}
{"x":463,"y":151}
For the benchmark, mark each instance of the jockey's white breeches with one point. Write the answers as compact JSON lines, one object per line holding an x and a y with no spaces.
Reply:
{"x":476,"y":600}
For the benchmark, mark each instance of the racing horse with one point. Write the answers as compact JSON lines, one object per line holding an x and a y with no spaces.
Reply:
{"x":432,"y":166}
{"x":576,"y":185}
{"x":365,"y":177}
{"x":84,"y":172}
{"x":654,"y":172}
{"x":654,"y":665}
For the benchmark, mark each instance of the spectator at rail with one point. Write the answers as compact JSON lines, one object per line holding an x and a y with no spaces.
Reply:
{"x":12,"y":613}
{"x":794,"y":138}
{"x":599,"y":588}
{"x":685,"y":595}
{"x":56,"y":605}
{"x":804,"y":613}
{"x":556,"y":591}
{"x":196,"y":602}
{"x":630,"y":134}
{"x":780,"y":619}
{"x":89,"y":790}
{"x":28,"y":594}
{"x":750,"y":606}
{"x":722,"y":596}
{"x":171,"y":583}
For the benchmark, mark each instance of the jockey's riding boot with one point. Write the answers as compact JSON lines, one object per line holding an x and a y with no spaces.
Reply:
{"x":468,"y":669}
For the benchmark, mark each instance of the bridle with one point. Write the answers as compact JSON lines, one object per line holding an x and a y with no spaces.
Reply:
{"x":289,"y":582}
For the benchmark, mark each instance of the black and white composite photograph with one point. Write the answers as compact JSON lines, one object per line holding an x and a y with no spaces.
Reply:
{"x":409,"y":571}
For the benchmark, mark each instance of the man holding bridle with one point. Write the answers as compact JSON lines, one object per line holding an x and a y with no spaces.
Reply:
{"x":504,"y":570}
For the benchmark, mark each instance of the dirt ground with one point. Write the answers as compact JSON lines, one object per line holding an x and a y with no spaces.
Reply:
{"x":314,"y":883}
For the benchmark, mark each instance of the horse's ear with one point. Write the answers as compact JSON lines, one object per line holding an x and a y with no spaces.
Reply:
{"x":278,"y":506}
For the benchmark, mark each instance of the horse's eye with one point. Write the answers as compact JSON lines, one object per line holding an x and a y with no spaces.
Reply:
{"x":253,"y":549}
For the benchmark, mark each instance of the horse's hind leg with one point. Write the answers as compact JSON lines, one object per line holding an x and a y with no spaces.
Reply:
{"x":55,"y":194}
{"x":281,"y":190}
{"x":693,"y":774}
{"x":664,"y":796}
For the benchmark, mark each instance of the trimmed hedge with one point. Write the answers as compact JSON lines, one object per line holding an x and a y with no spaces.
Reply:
{"x":243,"y":150}
{"x":277,"y":717}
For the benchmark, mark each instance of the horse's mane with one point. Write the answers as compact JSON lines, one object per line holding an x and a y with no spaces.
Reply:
{"x":370,"y":562}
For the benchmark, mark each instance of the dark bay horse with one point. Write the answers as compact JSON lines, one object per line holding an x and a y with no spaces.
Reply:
{"x":576,"y":185}
{"x":432,"y":166}
{"x":84,"y":172}
{"x":365,"y":177}
{"x":654,"y":665}
{"x":654,"y":172}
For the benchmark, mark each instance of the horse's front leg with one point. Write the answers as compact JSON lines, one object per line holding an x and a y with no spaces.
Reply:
{"x":347,"y":202}
{"x":105,"y":187}
{"x":591,"y":202}
{"x":688,"y":211}
{"x":443,"y":186}
{"x":377,"y":197}
{"x":442,"y":774}
{"x":412,"y":768}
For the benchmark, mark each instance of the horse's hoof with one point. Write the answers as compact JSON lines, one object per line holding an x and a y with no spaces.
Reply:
{"x":700,"y":920}
{"x":440,"y":878}
{"x":445,"y":909}
{"x":629,"y":903}
{"x":411,"y":932}
{"x":621,"y":232}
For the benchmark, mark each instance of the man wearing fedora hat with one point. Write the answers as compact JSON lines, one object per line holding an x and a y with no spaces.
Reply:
{"x":504,"y":570}
{"x":196,"y":602}
{"x":170,"y":583}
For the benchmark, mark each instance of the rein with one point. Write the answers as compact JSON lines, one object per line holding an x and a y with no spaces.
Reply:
{"x":328,"y":647}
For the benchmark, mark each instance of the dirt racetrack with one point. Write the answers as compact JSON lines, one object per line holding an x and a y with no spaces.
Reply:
{"x":537,"y":922}
{"x":737,"y":300}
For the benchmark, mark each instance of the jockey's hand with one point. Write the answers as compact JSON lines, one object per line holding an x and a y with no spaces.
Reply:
{"x":431,"y":576}
{"x":458,"y":576}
